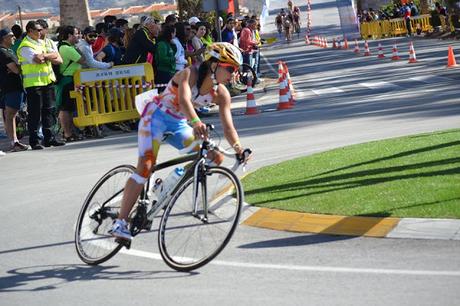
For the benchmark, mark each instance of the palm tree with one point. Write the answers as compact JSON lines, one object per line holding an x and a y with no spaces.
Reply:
{"x":75,"y":13}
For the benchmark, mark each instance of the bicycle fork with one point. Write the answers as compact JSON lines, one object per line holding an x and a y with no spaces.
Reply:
{"x":199,"y":182}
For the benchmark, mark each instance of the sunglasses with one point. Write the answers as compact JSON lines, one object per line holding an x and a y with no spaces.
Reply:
{"x":229,"y":68}
{"x":92,"y":35}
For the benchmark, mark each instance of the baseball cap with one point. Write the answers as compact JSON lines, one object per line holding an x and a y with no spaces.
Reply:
{"x":193,"y":20}
{"x":5,"y":32}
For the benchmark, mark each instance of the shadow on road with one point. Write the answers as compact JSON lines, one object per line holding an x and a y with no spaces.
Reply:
{"x":294,"y":241}
{"x":50,"y":277}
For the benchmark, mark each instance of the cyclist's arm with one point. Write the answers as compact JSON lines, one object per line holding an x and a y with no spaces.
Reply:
{"x":183,"y":80}
{"x":230,"y":133}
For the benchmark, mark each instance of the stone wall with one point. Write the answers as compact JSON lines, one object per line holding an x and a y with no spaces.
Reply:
{"x":75,"y":13}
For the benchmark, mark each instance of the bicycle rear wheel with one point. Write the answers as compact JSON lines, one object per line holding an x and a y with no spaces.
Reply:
{"x":242,"y":77}
{"x":189,"y":240}
{"x":93,"y":242}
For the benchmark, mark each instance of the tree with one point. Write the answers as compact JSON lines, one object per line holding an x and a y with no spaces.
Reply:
{"x":189,"y":8}
{"x":75,"y":13}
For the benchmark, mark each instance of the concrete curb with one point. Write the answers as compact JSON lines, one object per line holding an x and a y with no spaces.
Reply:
{"x":377,"y":227}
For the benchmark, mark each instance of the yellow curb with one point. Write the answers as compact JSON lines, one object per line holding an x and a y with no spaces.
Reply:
{"x":321,"y":224}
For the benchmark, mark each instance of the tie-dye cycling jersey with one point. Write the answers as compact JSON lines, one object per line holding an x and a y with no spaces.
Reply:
{"x":162,"y":116}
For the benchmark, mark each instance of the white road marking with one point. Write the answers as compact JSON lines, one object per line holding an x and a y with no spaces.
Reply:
{"x":379,"y":85}
{"x":268,"y":64}
{"x":327,"y":269}
{"x":326,"y":91}
{"x":429,"y":79}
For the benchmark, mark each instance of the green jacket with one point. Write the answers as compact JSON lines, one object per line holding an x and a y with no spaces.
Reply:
{"x":165,"y":57}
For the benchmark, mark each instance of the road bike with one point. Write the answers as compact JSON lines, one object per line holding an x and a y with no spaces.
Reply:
{"x":199,"y":213}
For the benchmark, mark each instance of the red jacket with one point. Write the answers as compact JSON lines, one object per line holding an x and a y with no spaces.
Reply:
{"x":247,"y":41}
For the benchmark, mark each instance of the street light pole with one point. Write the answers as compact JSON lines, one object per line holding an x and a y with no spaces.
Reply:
{"x":20,"y":16}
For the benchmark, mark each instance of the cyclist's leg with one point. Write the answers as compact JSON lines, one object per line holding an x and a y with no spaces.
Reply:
{"x":150,"y":132}
{"x":183,"y":137}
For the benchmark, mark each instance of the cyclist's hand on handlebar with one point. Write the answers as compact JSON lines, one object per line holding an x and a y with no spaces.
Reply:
{"x":244,"y":156}
{"x":200,"y":131}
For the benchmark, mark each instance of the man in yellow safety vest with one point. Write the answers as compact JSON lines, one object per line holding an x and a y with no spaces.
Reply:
{"x":38,"y":78}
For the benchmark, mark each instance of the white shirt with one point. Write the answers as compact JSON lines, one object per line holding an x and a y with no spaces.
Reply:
{"x":28,"y":53}
{"x":181,"y":61}
{"x":87,"y":53}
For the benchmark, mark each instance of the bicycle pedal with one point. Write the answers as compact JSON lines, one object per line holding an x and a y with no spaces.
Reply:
{"x":124,"y":242}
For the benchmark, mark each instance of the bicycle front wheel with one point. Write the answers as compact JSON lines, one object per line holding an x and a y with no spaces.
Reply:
{"x":93,"y":242}
{"x":190,"y":237}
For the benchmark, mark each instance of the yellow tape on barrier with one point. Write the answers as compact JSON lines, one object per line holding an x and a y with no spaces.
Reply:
{"x":105,"y":96}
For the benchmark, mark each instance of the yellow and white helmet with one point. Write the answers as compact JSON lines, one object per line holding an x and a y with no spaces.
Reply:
{"x":225,"y":53}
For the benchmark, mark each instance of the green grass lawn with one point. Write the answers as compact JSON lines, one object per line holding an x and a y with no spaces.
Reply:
{"x":414,"y":176}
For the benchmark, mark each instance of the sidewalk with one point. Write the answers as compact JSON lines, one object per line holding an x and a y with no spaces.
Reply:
{"x":385,"y":227}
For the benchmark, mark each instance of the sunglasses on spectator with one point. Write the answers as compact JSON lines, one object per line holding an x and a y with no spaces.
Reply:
{"x":92,"y":35}
{"x":229,"y":68}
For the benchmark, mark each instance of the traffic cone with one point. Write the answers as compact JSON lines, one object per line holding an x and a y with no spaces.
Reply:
{"x":307,"y":40}
{"x":251,"y":105}
{"x":412,"y":57}
{"x":284,"y":98}
{"x":395,"y":56}
{"x":345,"y":43}
{"x":326,"y":45}
{"x":280,"y":71}
{"x":451,"y":63}
{"x":334,"y":44}
{"x":380,"y":55}
{"x":367,"y":52}
{"x":291,"y":92}
{"x":356,"y":47}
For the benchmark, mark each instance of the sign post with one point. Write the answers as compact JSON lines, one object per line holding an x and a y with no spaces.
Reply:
{"x":216,"y":5}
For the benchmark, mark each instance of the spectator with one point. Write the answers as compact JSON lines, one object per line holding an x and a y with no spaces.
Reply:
{"x":413,"y":9}
{"x":51,"y":46}
{"x":179,"y":41}
{"x":89,"y":37}
{"x":171,"y":19}
{"x":12,"y":93}
{"x":143,"y":42}
{"x":247,"y":42}
{"x":110,"y":21}
{"x":193,"y":21}
{"x":101,"y":40}
{"x":113,"y":52}
{"x":206,"y":39}
{"x":407,"y":15}
{"x":72,"y":61}
{"x":19,"y":35}
{"x":122,"y":25}
{"x":129,"y":33}
{"x":197,"y":44}
{"x":136,"y":26}
{"x":38,"y":77}
{"x":165,"y":55}
{"x":228,"y":34}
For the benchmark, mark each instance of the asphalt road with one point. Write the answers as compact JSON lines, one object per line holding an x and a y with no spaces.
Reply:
{"x":42,"y":192}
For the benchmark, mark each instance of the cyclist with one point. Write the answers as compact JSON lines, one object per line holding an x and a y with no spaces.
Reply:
{"x":287,"y":24}
{"x":170,"y":111}
{"x":296,"y":17}
{"x":279,"y":23}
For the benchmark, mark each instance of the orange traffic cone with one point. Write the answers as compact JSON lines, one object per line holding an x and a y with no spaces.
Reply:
{"x":380,"y":55}
{"x":284,"y":98}
{"x":291,"y":92}
{"x":307,"y":40}
{"x":326,"y":45}
{"x":334,"y":44}
{"x":280,"y":71}
{"x":345,"y":43}
{"x":412,"y":57}
{"x":395,"y":56}
{"x":451,"y":63}
{"x":367,"y":52}
{"x":356,"y":47}
{"x":251,"y":105}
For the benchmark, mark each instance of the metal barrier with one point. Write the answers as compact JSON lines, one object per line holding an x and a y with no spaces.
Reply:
{"x":105,"y":96}
{"x":394,"y":27}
